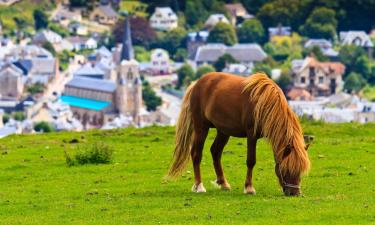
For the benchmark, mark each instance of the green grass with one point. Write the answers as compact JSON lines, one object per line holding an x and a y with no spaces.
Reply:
{"x":37,"y":187}
{"x":134,"y":7}
{"x":369,"y":93}
{"x":23,"y":9}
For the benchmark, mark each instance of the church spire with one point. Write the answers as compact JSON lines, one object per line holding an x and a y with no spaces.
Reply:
{"x":127,"y":52}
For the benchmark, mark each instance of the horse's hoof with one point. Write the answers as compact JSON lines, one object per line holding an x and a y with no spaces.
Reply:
{"x":198,"y":188}
{"x":249,"y":190}
{"x":225,"y":186}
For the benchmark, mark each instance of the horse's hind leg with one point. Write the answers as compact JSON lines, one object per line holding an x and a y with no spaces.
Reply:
{"x":196,"y":155}
{"x":250,"y":162}
{"x":216,"y":151}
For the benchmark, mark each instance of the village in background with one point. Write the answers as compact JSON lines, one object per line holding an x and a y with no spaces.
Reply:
{"x":77,"y":65}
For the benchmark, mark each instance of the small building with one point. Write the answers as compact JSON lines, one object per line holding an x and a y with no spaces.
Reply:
{"x":246,"y":54}
{"x":46,"y":36}
{"x":214,"y":19}
{"x":237,"y":13}
{"x":78,"y":29}
{"x":358,"y":38}
{"x":64,"y":16}
{"x":279,"y":31}
{"x":195,"y":40}
{"x":164,"y":19}
{"x":160,"y":64}
{"x":104,"y":14}
{"x":90,"y":70}
{"x":238,"y":69}
{"x":81,"y":43}
{"x":299,"y":94}
{"x":318,"y":78}
{"x":324,"y":45}
{"x":11,"y":82}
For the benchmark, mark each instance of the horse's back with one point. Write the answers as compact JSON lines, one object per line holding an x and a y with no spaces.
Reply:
{"x":217,"y":100}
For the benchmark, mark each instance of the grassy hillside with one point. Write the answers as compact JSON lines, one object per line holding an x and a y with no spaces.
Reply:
{"x":24,"y":10}
{"x":37,"y":187}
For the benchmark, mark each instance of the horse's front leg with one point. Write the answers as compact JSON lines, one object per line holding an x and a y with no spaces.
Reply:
{"x":250,"y":162}
{"x":216,"y":151}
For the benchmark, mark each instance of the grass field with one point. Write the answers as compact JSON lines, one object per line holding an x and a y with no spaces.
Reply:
{"x":36,"y":186}
{"x":134,"y":7}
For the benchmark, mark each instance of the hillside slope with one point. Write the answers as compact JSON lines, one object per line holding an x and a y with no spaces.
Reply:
{"x":37,"y":187}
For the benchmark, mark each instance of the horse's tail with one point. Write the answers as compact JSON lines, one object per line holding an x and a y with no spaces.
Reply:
{"x":184,"y":134}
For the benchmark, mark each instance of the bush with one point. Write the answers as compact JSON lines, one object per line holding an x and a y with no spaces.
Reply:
{"x":43,"y":127}
{"x":19,"y":116}
{"x":97,"y":153}
{"x":6,"y":118}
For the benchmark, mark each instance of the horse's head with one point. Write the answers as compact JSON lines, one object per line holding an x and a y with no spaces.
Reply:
{"x":290,"y":182}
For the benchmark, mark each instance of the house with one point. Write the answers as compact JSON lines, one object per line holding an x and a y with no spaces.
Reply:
{"x":194,"y":40}
{"x":318,"y":78}
{"x":164,"y":18}
{"x":160,"y":63}
{"x":11,"y":82}
{"x":324,"y":45}
{"x":80,"y":43}
{"x":90,"y":70}
{"x":65,"y":16}
{"x":299,"y":94}
{"x":279,"y":31}
{"x":358,"y":38}
{"x":78,"y":29}
{"x":104,"y":14}
{"x":237,"y":13}
{"x":46,"y":36}
{"x":214,"y":19}
{"x":246,"y":54}
{"x":238,"y":69}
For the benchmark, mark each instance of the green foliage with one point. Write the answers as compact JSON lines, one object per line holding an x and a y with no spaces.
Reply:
{"x":77,"y":3}
{"x":35,"y":88}
{"x":262,"y":67}
{"x":223,"y":33}
{"x":354,"y":82}
{"x":49,"y":47}
{"x":172,"y":40}
{"x":321,"y":24}
{"x":316,"y":52}
{"x":6,"y":118}
{"x":96,"y":153}
{"x":203,"y":70}
{"x":285,"y":81}
{"x":64,"y":59}
{"x":44,"y":127}
{"x":141,"y":54}
{"x":356,"y":60}
{"x":369,"y":92}
{"x":59,"y":29}
{"x":251,"y":31}
{"x":185,"y":75}
{"x":150,"y":98}
{"x":180,"y":55}
{"x":223,"y":61}
{"x":19,"y":116}
{"x":40,"y":19}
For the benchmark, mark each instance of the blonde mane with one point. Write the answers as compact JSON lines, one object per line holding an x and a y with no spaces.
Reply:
{"x":278,"y":123}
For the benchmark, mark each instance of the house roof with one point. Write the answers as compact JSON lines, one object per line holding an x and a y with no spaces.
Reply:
{"x":281,"y":31}
{"x":12,"y":69}
{"x":89,"y":70}
{"x":241,"y":52}
{"x":77,"y":39}
{"x":92,"y":84}
{"x":43,"y":66}
{"x":127,"y":52}
{"x":47,"y":35}
{"x":213,"y":19}
{"x":200,"y":35}
{"x":166,"y":12}
{"x":103,"y":51}
{"x":25,"y":65}
{"x":299,"y":93}
{"x":107,"y":10}
{"x":359,"y":38}
{"x":323,"y":43}
{"x":334,"y":68}
{"x":235,"y":9}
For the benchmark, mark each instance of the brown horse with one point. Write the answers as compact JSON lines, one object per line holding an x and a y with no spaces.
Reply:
{"x":252,"y":107}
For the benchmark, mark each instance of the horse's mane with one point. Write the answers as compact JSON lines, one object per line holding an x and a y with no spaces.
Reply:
{"x":277,"y":122}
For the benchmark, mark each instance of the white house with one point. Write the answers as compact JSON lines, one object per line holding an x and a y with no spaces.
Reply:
{"x":160,"y":64}
{"x":359,"y":38}
{"x":80,"y":43}
{"x":164,"y":19}
{"x":78,"y":29}
{"x":214,"y":19}
{"x":46,"y":36}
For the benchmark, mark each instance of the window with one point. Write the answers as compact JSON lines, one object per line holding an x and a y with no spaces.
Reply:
{"x":321,"y":79}
{"x":303,"y":80}
{"x":311,"y":71}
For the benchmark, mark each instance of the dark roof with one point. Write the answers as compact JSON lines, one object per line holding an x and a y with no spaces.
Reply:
{"x":25,"y":65}
{"x":108,"y":10}
{"x":127,"y":52}
{"x":92,"y":84}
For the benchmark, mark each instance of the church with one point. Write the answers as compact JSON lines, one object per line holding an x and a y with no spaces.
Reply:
{"x":98,"y":100}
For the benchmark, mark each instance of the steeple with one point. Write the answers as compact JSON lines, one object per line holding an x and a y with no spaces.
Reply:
{"x":127,"y":52}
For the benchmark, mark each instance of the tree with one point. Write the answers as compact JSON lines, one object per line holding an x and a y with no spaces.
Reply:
{"x":35,"y":88}
{"x":262,"y":68}
{"x":173,"y":40}
{"x":49,"y":47}
{"x":149,"y":96}
{"x":203,"y":70}
{"x":320,"y":24}
{"x":43,"y":127}
{"x":223,"y":61}
{"x":180,"y":55}
{"x":40,"y":19}
{"x":284,"y":81}
{"x":316,"y":52}
{"x":223,"y":33}
{"x":362,"y":66}
{"x":349,"y":55}
{"x":251,"y":31}
{"x":185,"y":73}
{"x":19,"y":116}
{"x":77,"y":3}
{"x":354,"y":82}
{"x":141,"y":32}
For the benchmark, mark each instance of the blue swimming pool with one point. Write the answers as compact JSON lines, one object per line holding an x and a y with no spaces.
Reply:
{"x":84,"y":102}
